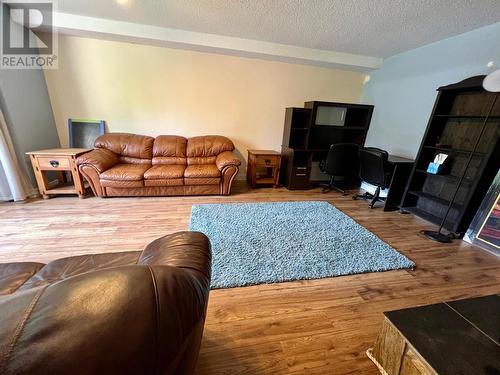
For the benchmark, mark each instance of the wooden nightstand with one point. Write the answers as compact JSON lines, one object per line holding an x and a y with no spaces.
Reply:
{"x":62,"y":161}
{"x":263,"y":167}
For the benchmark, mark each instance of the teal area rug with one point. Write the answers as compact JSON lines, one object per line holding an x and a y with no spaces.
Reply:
{"x":255,"y":243}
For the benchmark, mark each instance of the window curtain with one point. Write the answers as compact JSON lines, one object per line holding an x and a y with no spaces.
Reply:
{"x":14,"y":183}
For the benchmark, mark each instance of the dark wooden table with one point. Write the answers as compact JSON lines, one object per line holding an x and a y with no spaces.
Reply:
{"x":401,"y":170}
{"x":449,"y":338}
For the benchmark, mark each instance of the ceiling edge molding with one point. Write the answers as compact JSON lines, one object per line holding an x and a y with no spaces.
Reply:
{"x":101,"y":28}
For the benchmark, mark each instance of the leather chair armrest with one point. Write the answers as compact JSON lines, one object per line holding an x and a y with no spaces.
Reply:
{"x":126,"y":320}
{"x":188,"y":250}
{"x":100,"y":158}
{"x":14,"y":275}
{"x":227,"y":158}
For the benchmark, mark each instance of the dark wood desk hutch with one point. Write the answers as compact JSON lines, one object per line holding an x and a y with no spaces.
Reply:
{"x":459,"y":113}
{"x":310,"y":131}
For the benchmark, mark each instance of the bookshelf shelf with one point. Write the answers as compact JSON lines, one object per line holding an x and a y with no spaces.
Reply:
{"x":459,"y":116}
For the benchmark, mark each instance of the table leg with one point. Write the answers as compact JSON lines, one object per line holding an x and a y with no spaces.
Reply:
{"x":77,"y":180}
{"x":41,"y":178}
{"x":277,"y":178}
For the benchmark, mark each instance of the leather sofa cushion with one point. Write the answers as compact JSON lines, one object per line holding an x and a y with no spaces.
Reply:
{"x":202,"y":170}
{"x":208,"y":145}
{"x":63,"y":268}
{"x":125,"y":172}
{"x":202,"y":160}
{"x":168,"y":160}
{"x":130,"y":146}
{"x":169,"y":149}
{"x":13,"y":275}
{"x":164,"y":171}
{"x":165,"y":182}
{"x":129,"y":160}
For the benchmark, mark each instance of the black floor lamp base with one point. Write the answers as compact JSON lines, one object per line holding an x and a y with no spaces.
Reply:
{"x":436,"y":236}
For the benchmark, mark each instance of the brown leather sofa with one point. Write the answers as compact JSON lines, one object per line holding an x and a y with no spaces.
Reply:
{"x":135,"y":165}
{"x":122,"y":313}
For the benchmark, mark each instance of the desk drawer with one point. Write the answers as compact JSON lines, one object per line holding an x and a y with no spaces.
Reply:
{"x":299,"y":178}
{"x":268,"y":160}
{"x":54,"y":163}
{"x":301,"y":172}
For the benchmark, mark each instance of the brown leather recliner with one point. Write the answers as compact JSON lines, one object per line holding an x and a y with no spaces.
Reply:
{"x":135,"y":165}
{"x":122,"y":313}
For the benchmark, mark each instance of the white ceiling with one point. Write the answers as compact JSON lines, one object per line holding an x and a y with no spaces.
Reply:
{"x":378,"y":28}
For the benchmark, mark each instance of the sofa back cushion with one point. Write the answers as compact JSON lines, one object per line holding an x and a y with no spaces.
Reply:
{"x":204,"y":149}
{"x":169,"y":149}
{"x":131,"y":148}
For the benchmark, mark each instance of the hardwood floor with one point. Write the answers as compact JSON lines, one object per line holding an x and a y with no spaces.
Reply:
{"x":304,"y":327}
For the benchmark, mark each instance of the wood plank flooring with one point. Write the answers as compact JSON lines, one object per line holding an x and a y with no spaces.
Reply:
{"x":304,"y":327}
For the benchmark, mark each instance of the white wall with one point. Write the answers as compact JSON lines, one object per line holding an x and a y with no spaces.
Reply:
{"x":154,"y":90}
{"x":404,"y":89}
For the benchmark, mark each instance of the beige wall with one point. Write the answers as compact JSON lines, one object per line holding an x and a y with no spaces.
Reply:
{"x":153,"y":90}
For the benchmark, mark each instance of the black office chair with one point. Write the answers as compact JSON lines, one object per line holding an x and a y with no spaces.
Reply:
{"x":342,"y":161}
{"x":374,"y":169}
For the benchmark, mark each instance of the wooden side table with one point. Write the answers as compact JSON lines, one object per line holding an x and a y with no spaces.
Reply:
{"x":62,"y":161}
{"x":263,"y":167}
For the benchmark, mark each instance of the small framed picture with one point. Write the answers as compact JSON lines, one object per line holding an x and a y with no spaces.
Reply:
{"x":489,"y":232}
{"x":484,"y":230}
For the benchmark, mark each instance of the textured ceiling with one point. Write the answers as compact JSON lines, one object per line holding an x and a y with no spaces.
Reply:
{"x":378,"y":28}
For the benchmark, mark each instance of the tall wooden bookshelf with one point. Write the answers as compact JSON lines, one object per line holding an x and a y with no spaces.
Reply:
{"x":306,"y":139}
{"x":459,"y":113}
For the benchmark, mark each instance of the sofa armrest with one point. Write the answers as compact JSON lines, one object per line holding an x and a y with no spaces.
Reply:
{"x":143,"y":320}
{"x":188,"y":250}
{"x":100,"y":158}
{"x":227,"y":158}
{"x":180,"y":264}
